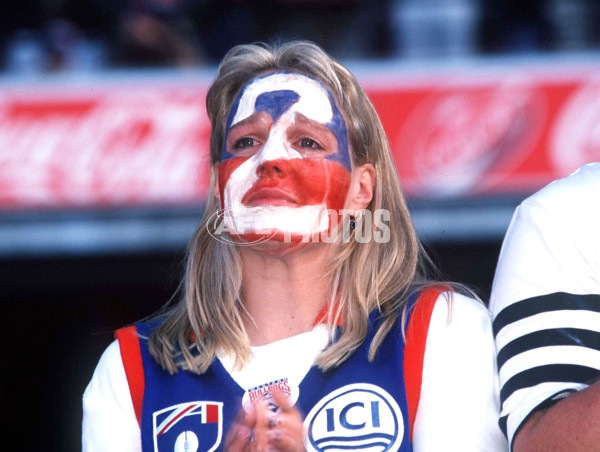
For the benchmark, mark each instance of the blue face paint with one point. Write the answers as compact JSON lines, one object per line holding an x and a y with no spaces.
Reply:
{"x":277,"y":102}
{"x":338,"y":126}
{"x":225,"y":154}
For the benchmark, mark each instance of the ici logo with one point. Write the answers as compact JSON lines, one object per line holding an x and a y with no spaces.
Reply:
{"x":357,"y":416}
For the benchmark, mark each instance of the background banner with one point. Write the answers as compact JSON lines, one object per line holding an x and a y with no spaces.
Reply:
{"x":145,"y":143}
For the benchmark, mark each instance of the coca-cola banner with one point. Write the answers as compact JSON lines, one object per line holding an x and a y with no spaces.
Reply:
{"x":129,"y":144}
{"x":145,"y":142}
{"x":492,"y":133}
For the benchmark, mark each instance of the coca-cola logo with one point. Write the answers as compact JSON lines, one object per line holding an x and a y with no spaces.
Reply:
{"x":455,"y":137}
{"x":122,"y":146}
{"x":575,"y":139}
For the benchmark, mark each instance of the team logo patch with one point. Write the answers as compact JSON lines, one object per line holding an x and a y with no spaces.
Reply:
{"x":355,"y":417}
{"x":263,"y":391}
{"x":188,"y":427}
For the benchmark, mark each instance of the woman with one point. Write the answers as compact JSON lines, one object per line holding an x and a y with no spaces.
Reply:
{"x":306,"y":320}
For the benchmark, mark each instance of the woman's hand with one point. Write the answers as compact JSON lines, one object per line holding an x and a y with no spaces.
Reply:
{"x":240,"y":437}
{"x":281,"y":431}
{"x":261,"y":430}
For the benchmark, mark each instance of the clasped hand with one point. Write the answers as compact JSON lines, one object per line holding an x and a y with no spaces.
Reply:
{"x":259,"y":429}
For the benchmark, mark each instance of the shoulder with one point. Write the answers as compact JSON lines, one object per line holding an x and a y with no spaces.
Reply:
{"x":459,"y":404}
{"x":552,"y":244}
{"x":571,"y":201}
{"x":109,"y":422}
{"x":448,"y":312}
{"x":459,"y":317}
{"x":583,"y":183}
{"x":455,"y":327}
{"x":461,"y":307}
{"x":460,"y":331}
{"x":109,"y":371}
{"x":141,"y":330}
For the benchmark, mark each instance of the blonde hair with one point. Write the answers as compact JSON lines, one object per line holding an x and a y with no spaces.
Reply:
{"x":369,"y":276}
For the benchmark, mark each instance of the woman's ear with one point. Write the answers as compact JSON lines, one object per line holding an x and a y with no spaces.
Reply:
{"x":362,"y":187}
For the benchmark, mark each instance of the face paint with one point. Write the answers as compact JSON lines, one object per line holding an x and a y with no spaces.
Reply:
{"x":285,"y":160}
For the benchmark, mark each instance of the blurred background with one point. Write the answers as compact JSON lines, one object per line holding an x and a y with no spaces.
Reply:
{"x":104,"y":147}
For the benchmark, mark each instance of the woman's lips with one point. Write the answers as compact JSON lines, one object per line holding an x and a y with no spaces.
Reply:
{"x":268,"y":196}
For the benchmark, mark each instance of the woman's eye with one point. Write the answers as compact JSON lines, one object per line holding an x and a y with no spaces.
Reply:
{"x":245,"y":142}
{"x":309,"y":143}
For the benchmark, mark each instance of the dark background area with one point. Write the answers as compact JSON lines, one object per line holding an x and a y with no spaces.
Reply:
{"x":59,"y":35}
{"x":60,"y":314}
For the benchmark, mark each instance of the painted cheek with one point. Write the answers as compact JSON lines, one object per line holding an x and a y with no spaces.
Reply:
{"x":226,"y":168}
{"x":322,"y":182}
{"x":309,"y":182}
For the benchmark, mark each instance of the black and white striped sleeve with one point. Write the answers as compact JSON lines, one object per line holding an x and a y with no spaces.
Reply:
{"x":546,"y":345}
{"x":546,"y":299}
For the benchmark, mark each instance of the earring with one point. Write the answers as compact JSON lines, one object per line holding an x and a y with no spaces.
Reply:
{"x":355,"y":218}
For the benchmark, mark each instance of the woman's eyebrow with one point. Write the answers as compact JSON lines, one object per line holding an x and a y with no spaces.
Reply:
{"x":254,"y":117}
{"x":311,"y":122}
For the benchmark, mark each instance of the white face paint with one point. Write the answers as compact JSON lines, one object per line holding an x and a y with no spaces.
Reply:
{"x":312,"y":102}
{"x":266,"y":218}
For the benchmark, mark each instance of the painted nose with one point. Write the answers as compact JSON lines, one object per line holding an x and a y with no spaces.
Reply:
{"x":273,"y":168}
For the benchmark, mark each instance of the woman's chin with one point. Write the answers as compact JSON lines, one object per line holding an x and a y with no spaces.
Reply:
{"x":275,"y":242}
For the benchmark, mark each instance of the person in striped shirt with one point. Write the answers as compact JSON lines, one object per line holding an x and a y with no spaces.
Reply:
{"x":545,"y":302}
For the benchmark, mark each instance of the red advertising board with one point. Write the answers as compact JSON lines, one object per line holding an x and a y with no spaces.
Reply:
{"x":123,"y":145}
{"x":145,"y":143}
{"x":495,"y":133}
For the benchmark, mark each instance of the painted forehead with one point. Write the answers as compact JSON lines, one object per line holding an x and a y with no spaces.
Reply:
{"x":280,"y":92}
{"x":306,"y":95}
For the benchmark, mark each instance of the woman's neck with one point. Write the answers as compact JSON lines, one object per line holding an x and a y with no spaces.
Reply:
{"x":283,"y":294}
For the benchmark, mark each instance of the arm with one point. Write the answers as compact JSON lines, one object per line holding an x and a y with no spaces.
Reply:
{"x":546,"y":306}
{"x":569,"y":425}
{"x":109,"y":422}
{"x":459,"y":404}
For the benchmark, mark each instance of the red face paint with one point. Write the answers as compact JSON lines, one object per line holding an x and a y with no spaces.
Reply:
{"x":291,"y":183}
{"x":282,"y":168}
{"x":304,"y":181}
{"x":227,"y":167}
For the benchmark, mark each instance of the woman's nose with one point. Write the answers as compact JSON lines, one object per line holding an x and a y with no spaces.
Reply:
{"x":273,"y":168}
{"x":273,"y":157}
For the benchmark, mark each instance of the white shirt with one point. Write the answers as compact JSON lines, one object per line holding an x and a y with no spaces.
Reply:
{"x":458,"y":408}
{"x":548,"y":270}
